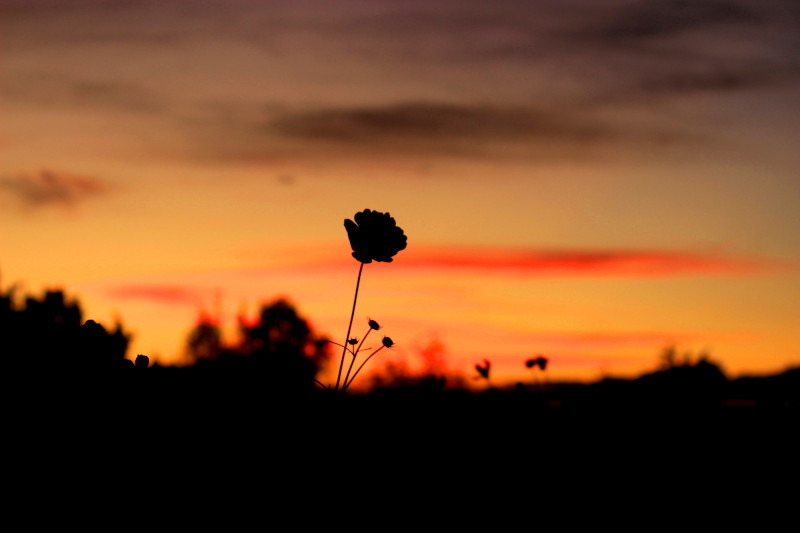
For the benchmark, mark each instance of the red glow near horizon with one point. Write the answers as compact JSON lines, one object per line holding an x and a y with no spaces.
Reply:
{"x":626,"y":263}
{"x":168,"y":294}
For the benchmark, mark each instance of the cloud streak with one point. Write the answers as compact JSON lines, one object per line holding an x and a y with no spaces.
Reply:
{"x":422,"y":127}
{"x":66,"y":91}
{"x":165,"y":294}
{"x":536,"y":262}
{"x":423,"y":123}
{"x":659,"y":19}
{"x":598,"y":60}
{"x":676,"y":47}
{"x":592,"y":263}
{"x":51,"y":188}
{"x":466,"y":77}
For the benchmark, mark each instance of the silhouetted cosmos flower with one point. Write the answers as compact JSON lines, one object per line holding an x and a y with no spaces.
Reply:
{"x":142,"y":361}
{"x":539,"y":361}
{"x":374,"y":236}
{"x":484,"y":370}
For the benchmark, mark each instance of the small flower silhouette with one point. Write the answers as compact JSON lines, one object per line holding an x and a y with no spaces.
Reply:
{"x":539,"y":361}
{"x":385,"y":343}
{"x":374,"y":236}
{"x":484,"y":370}
{"x":374,"y":325}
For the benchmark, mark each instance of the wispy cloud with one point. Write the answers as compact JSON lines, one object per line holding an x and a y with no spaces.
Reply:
{"x":657,"y":19}
{"x":421,"y":127}
{"x":676,"y":47}
{"x":535,"y":262}
{"x":165,"y":294}
{"x":423,"y":123}
{"x":452,"y":77}
{"x":591,"y":60}
{"x":66,"y":91}
{"x":48,"y":188}
{"x":609,"y":339}
{"x":576,"y":262}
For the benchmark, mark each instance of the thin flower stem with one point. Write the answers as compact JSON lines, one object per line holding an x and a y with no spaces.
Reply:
{"x":349,"y":327}
{"x":353,"y":360}
{"x":347,"y":384}
{"x":361,"y":343}
{"x":343,"y":346}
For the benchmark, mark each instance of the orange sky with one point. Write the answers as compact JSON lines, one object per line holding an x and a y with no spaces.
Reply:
{"x":590,"y":182}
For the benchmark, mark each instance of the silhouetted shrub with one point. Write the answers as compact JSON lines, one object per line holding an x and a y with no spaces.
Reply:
{"x":48,"y":334}
{"x":279,"y":351}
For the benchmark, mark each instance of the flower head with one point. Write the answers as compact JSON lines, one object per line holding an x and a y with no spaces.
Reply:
{"x":388,"y":342}
{"x":374,"y":325}
{"x":374,"y":235}
{"x":539,"y":361}
{"x":483,"y":371}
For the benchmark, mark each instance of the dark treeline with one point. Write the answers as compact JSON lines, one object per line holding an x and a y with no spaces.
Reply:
{"x":47,"y":345}
{"x":47,"y":342}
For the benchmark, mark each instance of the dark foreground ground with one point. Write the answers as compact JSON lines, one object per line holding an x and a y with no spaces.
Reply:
{"x":224,"y":452}
{"x":171,"y":400}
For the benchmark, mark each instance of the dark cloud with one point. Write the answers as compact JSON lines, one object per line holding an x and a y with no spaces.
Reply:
{"x":421,"y":128}
{"x":452,"y":76}
{"x":674,"y":48}
{"x":662,"y":18}
{"x":426,"y":121}
{"x":415,"y":128}
{"x":711,"y":79}
{"x":47,"y":187}
{"x":676,"y":79}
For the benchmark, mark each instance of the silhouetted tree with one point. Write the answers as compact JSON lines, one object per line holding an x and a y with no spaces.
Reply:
{"x":277,"y":351}
{"x":282,"y":344}
{"x":48,"y":334}
{"x":205,"y":340}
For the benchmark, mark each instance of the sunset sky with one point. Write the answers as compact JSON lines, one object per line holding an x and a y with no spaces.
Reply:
{"x":588,"y":180}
